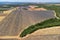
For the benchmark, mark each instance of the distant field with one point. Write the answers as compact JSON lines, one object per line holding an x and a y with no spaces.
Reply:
{"x":46,"y":23}
{"x":6,"y":7}
{"x":56,"y":8}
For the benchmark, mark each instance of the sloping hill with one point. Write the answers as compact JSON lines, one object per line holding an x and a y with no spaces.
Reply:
{"x":52,"y":33}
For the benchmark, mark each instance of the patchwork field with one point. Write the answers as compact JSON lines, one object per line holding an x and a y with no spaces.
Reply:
{"x":18,"y":22}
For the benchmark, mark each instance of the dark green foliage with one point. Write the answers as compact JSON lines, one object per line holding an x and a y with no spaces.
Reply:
{"x":45,"y":24}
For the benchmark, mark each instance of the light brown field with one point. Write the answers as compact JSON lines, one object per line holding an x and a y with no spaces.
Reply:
{"x":37,"y":9}
{"x":52,"y":33}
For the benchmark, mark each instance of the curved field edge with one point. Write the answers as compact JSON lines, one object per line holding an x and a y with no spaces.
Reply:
{"x":45,"y":24}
